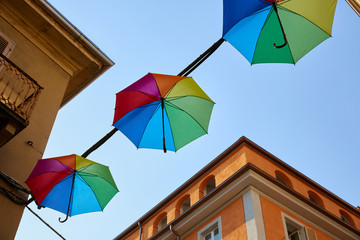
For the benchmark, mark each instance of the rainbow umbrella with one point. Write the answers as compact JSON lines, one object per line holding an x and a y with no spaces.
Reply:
{"x":162,"y":112}
{"x":71,"y":185}
{"x":277,"y":31}
{"x":273,"y":31}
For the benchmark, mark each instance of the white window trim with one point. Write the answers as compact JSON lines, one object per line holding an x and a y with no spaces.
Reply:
{"x":10,"y":47}
{"x":217,"y":222}
{"x":302,"y":226}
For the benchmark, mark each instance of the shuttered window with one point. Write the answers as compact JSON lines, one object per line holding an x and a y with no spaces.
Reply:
{"x":6,"y":45}
{"x":311,"y":234}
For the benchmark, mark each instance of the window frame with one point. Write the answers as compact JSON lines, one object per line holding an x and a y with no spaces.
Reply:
{"x":10,"y":46}
{"x":209,"y":186}
{"x":209,"y":228}
{"x":296,"y":224}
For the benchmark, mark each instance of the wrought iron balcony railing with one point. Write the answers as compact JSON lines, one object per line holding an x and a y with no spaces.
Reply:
{"x":18,"y":91}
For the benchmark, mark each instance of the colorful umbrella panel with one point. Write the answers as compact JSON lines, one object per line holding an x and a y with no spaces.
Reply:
{"x":71,"y":184}
{"x":162,"y":112}
{"x":257,"y":28}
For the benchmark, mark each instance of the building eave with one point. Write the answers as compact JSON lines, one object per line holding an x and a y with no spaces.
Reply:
{"x":253,"y":177}
{"x":355,"y":5}
{"x":78,"y":37}
{"x":57,"y":38}
{"x":239,"y":143}
{"x":232,"y":188}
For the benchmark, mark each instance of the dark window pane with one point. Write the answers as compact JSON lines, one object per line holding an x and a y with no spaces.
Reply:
{"x":208,"y":237}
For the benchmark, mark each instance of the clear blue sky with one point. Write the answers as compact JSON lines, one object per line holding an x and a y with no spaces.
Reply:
{"x":308,"y":115}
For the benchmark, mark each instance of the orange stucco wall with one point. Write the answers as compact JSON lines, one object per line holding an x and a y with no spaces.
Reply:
{"x":298,"y":184}
{"x":234,"y":161}
{"x":274,"y":227}
{"x":232,"y":222}
{"x":221,"y":172}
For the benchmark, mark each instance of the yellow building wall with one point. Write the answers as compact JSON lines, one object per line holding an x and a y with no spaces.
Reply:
{"x":17,"y":159}
{"x":273,"y":222}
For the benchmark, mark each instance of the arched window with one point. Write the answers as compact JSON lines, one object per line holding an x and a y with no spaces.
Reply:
{"x":160,"y":222}
{"x":182,"y":205}
{"x":185,"y":205}
{"x":346,"y":218}
{"x":207,"y":186}
{"x":315,"y":199}
{"x":281,"y":177}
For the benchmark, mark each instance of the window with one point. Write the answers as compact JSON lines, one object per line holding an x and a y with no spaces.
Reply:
{"x":209,"y":187}
{"x":213,"y":235}
{"x":346,"y":218}
{"x":211,"y":231}
{"x":185,"y":205}
{"x":6,"y":45}
{"x":315,"y":199}
{"x":182,"y":205}
{"x":281,"y":177}
{"x":162,"y":223}
{"x":295,"y":230}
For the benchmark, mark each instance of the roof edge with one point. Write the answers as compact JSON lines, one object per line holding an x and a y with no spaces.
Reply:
{"x":242,"y":140}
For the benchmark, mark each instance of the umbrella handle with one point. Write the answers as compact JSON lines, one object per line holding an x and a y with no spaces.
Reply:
{"x":62,"y":221}
{"x":282,"y":29}
{"x":282,"y":45}
{"x":164,"y":145}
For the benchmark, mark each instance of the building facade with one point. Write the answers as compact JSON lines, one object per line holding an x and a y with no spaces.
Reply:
{"x":355,"y":5}
{"x":44,"y":62}
{"x":247,"y":193}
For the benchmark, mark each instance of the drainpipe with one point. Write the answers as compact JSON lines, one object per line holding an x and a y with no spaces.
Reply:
{"x":139,"y":224}
{"x":174,"y":232}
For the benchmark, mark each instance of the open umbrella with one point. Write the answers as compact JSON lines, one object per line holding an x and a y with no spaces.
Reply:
{"x":162,"y":112}
{"x":273,"y":31}
{"x":71,"y":185}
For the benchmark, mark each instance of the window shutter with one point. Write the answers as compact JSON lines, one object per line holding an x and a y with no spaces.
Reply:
{"x":3,"y":44}
{"x":310,"y":234}
{"x":6,"y":45}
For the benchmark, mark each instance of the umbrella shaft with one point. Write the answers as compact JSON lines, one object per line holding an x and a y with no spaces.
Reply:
{"x":70,"y":198}
{"x":281,"y":26}
{"x":163,"y":125}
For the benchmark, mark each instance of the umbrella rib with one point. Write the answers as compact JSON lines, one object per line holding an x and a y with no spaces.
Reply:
{"x":142,"y":134}
{"x":95,"y":175}
{"x":81,"y":179}
{"x":288,"y":10}
{"x":179,"y":97}
{"x":92,"y":174}
{"x":144,"y":93}
{"x":169,"y":125}
{"x":70,"y":198}
{"x":257,"y":41}
{"x":180,"y":109}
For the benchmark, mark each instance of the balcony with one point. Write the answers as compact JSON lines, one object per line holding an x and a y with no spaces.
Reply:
{"x":355,"y":4}
{"x":18,"y":96}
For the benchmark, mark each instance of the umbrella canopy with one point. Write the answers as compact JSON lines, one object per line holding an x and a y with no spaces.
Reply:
{"x":162,"y":112}
{"x":71,"y":185}
{"x":277,"y":31}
